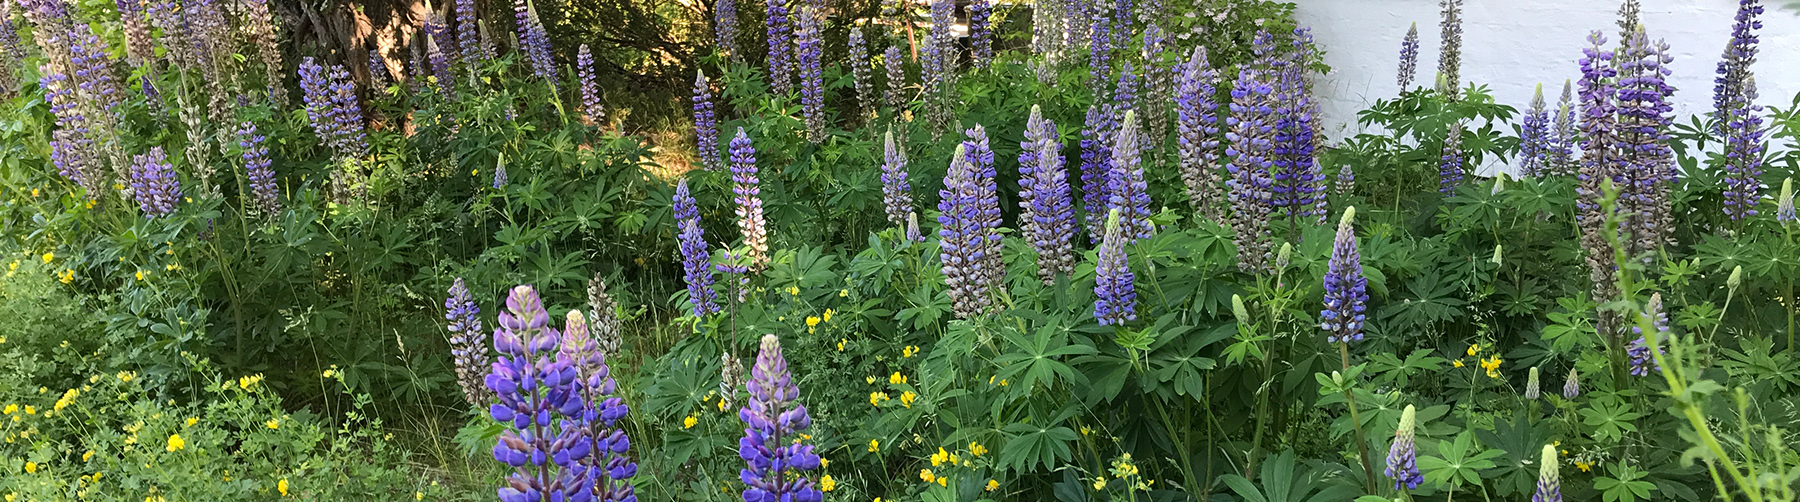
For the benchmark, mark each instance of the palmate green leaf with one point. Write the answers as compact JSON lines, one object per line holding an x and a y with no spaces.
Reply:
{"x":1029,"y":446}
{"x":1516,"y":471}
{"x":1038,"y":358}
{"x":1610,"y":421}
{"x":1456,"y":464}
{"x":1429,"y":300}
{"x":1623,"y":483}
{"x":1284,"y":480}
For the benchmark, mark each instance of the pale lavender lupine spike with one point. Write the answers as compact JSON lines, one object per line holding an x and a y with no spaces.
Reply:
{"x":1048,"y":216}
{"x":706,"y":125}
{"x":895,"y":190}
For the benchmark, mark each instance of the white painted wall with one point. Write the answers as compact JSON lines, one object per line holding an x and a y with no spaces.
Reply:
{"x":1512,"y":45}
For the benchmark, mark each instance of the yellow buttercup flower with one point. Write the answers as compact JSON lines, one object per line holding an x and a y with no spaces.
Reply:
{"x":176,"y":443}
{"x":993,"y":485}
{"x":811,"y":322}
{"x":874,"y":445}
{"x":49,"y":255}
{"x":272,"y":424}
{"x":688,"y":423}
{"x":140,"y":275}
{"x":31,"y":467}
{"x":67,"y":276}
{"x":126,"y":376}
{"x":87,"y":456}
{"x":192,"y":420}
{"x":11,"y":408}
{"x":281,"y":486}
{"x":897,"y":379}
{"x":943,"y":481}
{"x":826,"y":483}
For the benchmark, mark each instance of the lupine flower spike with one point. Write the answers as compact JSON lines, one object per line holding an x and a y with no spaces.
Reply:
{"x":780,"y":55}
{"x":153,"y":183}
{"x":1402,"y":460}
{"x":1572,"y":386}
{"x":1048,"y":219}
{"x":1450,"y":165}
{"x":1450,"y":53}
{"x":1533,"y":388}
{"x":809,"y":55}
{"x":1534,"y":138}
{"x":861,"y":71}
{"x":1346,"y":290}
{"x":774,"y":421}
{"x":1549,"y":483}
{"x":256,"y":170}
{"x":747,"y":192}
{"x":963,"y":237}
{"x":1198,"y":135}
{"x":1561,"y":157}
{"x":1639,"y":350}
{"x":1116,"y":295}
{"x":725,"y":17}
{"x":535,"y":387}
{"x":609,"y":468}
{"x":1409,"y":57}
{"x":706,"y":125}
{"x":895,"y":190}
{"x":604,"y":316}
{"x":895,"y":65}
{"x":593,"y":113}
{"x":694,"y":255}
{"x":1127,"y":191}
{"x":1784,"y":206}
{"x":1249,"y":146}
{"x":467,"y":347}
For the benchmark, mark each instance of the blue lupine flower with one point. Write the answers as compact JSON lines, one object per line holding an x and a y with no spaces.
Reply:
{"x":1639,"y":350}
{"x":694,"y":256}
{"x":773,"y":420}
{"x":608,"y":467}
{"x":257,"y":169}
{"x":1115,"y":294}
{"x":706,"y":124}
{"x":1298,"y":183}
{"x":378,"y":71}
{"x":1346,"y":290}
{"x":781,"y":55}
{"x":1197,"y":132}
{"x":1744,"y":147}
{"x":1100,"y":48}
{"x":1450,"y":162}
{"x":1734,"y":66}
{"x":533,"y":40}
{"x":1048,"y":216}
{"x":1409,"y":57}
{"x":1402,"y":460}
{"x":593,"y":112}
{"x":466,"y":347}
{"x":861,"y":72}
{"x":1560,"y":160}
{"x":440,"y":68}
{"x":1549,"y":482}
{"x":332,"y":108}
{"x":981,"y":34}
{"x":892,"y":61}
{"x":1249,"y":145}
{"x":468,"y":32}
{"x":1096,"y":162}
{"x":1450,"y":50}
{"x":981,"y":156}
{"x":545,"y":441}
{"x":153,"y":183}
{"x":1534,"y":138}
{"x":963,"y":238}
{"x":1572,"y":386}
{"x":725,"y":27}
{"x":809,"y":51}
{"x":747,"y":193}
{"x":896,"y":192}
{"x":1646,"y":170}
{"x":1127,"y":192}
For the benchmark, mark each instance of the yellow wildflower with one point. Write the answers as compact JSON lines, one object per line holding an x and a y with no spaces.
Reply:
{"x":843,"y":293}
{"x":897,"y":379}
{"x":176,"y":443}
{"x":939,"y":457}
{"x":68,"y":398}
{"x":10,"y":409}
{"x":67,"y":276}
{"x":140,"y":275}
{"x":281,"y":486}
{"x":826,"y":317}
{"x":1457,"y":363}
{"x":192,"y":420}
{"x":1584,"y":465}
{"x":1474,"y":348}
{"x":943,"y":481}
{"x":793,"y":291}
{"x":869,"y":379}
{"x":49,"y":255}
{"x":30,"y":410}
{"x":909,"y":351}
{"x":823,"y":462}
{"x":1099,"y":483}
{"x":272,"y":424}
{"x":31,"y":467}
{"x":841,"y":342}
{"x":874,"y":445}
{"x":126,"y":376}
{"x":418,"y":495}
{"x":875,"y":398}
{"x":1492,"y":365}
{"x":993,"y":485}
{"x":688,"y":423}
{"x":926,"y":475}
{"x":811,"y":322}
{"x":247,"y":382}
{"x":977,"y":449}
{"x":907,"y":398}
{"x":87,"y":456}
{"x":826,"y":483}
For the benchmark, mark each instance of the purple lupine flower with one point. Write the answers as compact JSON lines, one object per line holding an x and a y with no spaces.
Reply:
{"x":725,"y":28}
{"x":1048,"y":219}
{"x":1197,"y":132}
{"x":1096,"y":162}
{"x":896,"y":79}
{"x":781,"y":41}
{"x":1572,"y":385}
{"x":1249,"y":144}
{"x":153,"y":183}
{"x":1346,"y":290}
{"x":896,"y":192}
{"x":440,"y":68}
{"x":500,"y":178}
{"x":695,"y":259}
{"x":1744,"y":149}
{"x":939,"y":74}
{"x":860,"y":73}
{"x":540,"y":401}
{"x":534,"y":41}
{"x":747,"y":193}
{"x":332,"y":109}
{"x":466,"y":347}
{"x":963,"y":237}
{"x":593,"y":112}
{"x":809,"y":51}
{"x":378,"y":70}
{"x":608,"y":466}
{"x":1450,"y":163}
{"x":1646,"y":163}
{"x":1124,"y":97}
{"x":1100,"y":47}
{"x":1450,"y":52}
{"x":706,"y":124}
{"x":1560,"y":160}
{"x":981,"y":34}
{"x":139,"y":48}
{"x":773,"y":420}
{"x":1534,"y":138}
{"x":262,"y":26}
{"x":1403,"y":455}
{"x":438,"y":28}
{"x":1549,"y":482}
{"x":1597,"y":169}
{"x":981,"y":156}
{"x":1409,"y":57}
{"x":1639,"y":350}
{"x":9,"y":39}
{"x":1127,"y":193}
{"x":1346,"y":181}
{"x":1116,"y":295}
{"x":1784,"y":205}
{"x":1298,"y":184}
{"x":1734,"y":66}
{"x":257,"y":169}
{"x":468,"y":36}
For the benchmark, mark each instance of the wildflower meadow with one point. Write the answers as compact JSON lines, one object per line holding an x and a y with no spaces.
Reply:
{"x":881,"y":250}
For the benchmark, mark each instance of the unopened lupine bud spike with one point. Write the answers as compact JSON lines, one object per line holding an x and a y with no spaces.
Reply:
{"x":1497,"y":259}
{"x":1533,"y":388}
{"x":1572,"y":386}
{"x":1237,"y":310}
{"x":1402,"y":460}
{"x":1549,"y":483}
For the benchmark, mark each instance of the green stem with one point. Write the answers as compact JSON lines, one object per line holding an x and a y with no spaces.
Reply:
{"x":1362,"y":443}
